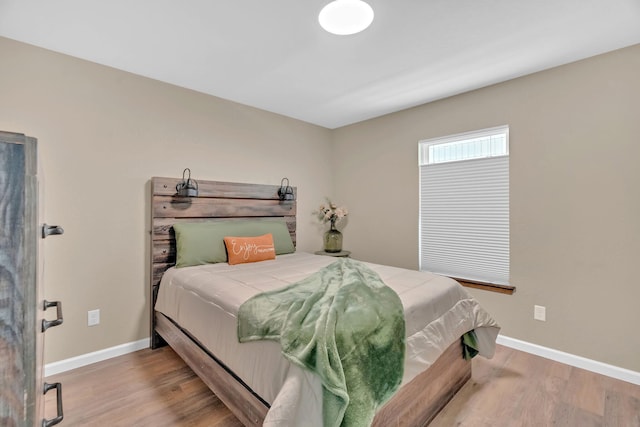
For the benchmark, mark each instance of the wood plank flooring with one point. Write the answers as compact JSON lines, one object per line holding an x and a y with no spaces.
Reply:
{"x":519,"y":389}
{"x":155,"y":388}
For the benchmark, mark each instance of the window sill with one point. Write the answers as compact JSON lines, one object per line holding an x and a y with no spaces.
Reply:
{"x":491,"y":287}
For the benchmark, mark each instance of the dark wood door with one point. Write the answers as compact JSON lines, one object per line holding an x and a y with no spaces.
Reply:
{"x":21,"y":304}
{"x":18,"y":287}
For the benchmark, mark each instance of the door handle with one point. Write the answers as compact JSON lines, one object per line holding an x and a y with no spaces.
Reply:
{"x":51,"y":230}
{"x":46,"y":324}
{"x":60,"y":416}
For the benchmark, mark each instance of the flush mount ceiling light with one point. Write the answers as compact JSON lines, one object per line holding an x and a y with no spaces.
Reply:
{"x":344,"y":17}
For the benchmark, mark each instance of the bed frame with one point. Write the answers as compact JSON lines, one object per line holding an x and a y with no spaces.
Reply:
{"x":415,"y":404}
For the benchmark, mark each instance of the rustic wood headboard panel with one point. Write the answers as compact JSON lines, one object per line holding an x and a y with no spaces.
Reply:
{"x":216,"y":201}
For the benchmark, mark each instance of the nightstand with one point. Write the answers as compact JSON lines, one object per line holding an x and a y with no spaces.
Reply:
{"x":341,"y":254}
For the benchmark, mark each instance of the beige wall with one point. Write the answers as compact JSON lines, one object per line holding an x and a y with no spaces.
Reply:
{"x":102,"y":135}
{"x":575,"y":198}
{"x":575,"y":209}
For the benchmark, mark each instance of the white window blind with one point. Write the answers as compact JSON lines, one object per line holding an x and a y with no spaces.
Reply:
{"x":464,"y":206}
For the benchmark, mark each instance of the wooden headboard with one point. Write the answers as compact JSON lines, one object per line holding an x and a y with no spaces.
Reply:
{"x":216,"y":201}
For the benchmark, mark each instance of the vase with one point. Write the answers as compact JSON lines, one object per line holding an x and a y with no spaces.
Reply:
{"x":332,"y":239}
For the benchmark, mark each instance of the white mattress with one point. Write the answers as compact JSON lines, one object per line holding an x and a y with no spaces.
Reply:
{"x":204,"y":300}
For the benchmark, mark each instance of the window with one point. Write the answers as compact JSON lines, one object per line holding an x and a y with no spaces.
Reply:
{"x":464,"y":206}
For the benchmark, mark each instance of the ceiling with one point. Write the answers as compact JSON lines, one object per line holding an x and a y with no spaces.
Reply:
{"x":273,"y":54}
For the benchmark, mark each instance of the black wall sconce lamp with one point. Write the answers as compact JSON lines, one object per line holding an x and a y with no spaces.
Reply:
{"x":187,"y":187}
{"x":285,"y":192}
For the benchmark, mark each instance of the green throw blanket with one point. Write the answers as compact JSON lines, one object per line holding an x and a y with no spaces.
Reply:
{"x":344,"y":324}
{"x":469,"y":345}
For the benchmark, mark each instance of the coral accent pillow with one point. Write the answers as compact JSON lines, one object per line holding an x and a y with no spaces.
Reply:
{"x":249,"y":249}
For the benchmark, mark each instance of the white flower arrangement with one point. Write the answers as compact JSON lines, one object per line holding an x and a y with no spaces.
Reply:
{"x":331,"y":212}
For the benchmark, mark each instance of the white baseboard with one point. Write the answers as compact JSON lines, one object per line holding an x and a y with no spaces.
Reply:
{"x":572,"y":360}
{"x":548,"y":353}
{"x":96,"y":356}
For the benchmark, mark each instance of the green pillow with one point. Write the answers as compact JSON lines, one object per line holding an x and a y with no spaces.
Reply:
{"x":203,"y":242}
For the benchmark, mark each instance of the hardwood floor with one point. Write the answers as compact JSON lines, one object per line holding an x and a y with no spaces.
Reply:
{"x":155,"y":388}
{"x":144,"y":388}
{"x":519,"y":389}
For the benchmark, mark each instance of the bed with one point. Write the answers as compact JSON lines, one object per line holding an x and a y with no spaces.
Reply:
{"x":253,"y":380}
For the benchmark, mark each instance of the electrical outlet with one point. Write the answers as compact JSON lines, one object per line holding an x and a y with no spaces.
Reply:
{"x":540,"y":313}
{"x":93,"y":317}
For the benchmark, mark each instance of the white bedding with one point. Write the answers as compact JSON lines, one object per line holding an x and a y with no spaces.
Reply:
{"x":204,"y":300}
